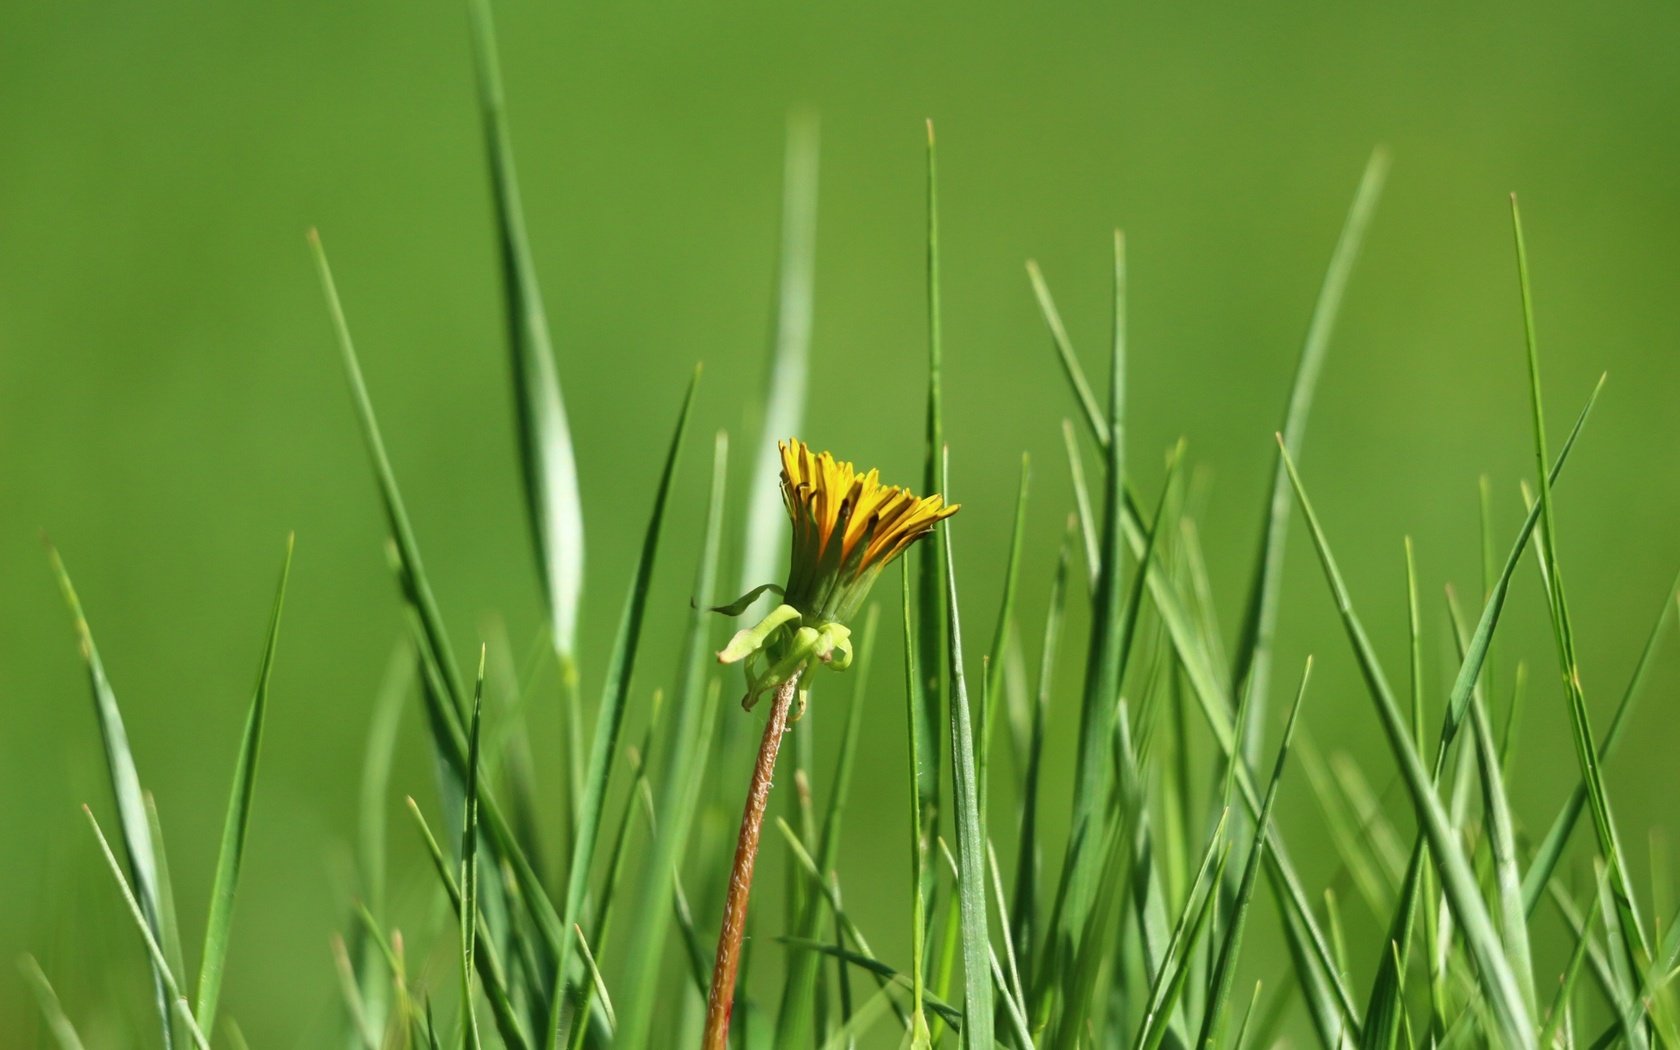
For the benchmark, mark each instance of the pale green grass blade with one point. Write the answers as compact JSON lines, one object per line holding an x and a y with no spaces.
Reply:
{"x":362,"y":1031}
{"x":125,"y":788}
{"x":1629,"y":1003}
{"x":686,"y":751}
{"x":1175,"y":973}
{"x":1550,"y":850}
{"x":790,"y":351}
{"x":609,"y":720}
{"x":971,"y":852}
{"x":1093,"y":413}
{"x":168,"y":919}
{"x":873,"y":1009}
{"x":1586,"y":751}
{"x":1566,"y":987}
{"x":597,"y":982}
{"x":63,"y":1032}
{"x":1457,"y":877}
{"x":933,"y":641}
{"x":487,"y":962}
{"x":993,"y":685}
{"x":1224,"y":973}
{"x":546,"y":458}
{"x":1254,"y":640}
{"x":914,"y":693}
{"x":232,"y":854}
{"x":468,"y":910}
{"x":1241,"y":1039}
{"x":1013,"y":987}
{"x":1082,"y":503}
{"x":159,"y":963}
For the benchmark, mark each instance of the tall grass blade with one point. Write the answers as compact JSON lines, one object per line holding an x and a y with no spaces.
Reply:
{"x":469,"y":865}
{"x":1457,"y":878}
{"x":552,"y":504}
{"x":995,"y":661}
{"x":63,"y":1032}
{"x":168,"y":919}
{"x":933,"y":642}
{"x":232,"y":855}
{"x":125,"y":789}
{"x":1254,"y":641}
{"x":914,"y":698}
{"x":688,"y":736}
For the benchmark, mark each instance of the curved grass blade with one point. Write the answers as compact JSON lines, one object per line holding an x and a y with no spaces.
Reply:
{"x":971,"y":854}
{"x":546,"y":458}
{"x":604,"y":748}
{"x":1457,"y":878}
{"x":125,"y":789}
{"x":1254,"y":640}
{"x":789,"y":364}
{"x":232,"y":854}
{"x":686,"y":752}
{"x":159,"y":963}
{"x":1224,"y":972}
{"x":63,"y":1032}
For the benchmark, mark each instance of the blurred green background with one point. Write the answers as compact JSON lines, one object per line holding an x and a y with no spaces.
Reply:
{"x":171,"y":404}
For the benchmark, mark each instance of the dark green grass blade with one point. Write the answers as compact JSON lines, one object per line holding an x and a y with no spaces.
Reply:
{"x":487,"y":962}
{"x":971,"y":854}
{"x":1457,"y":877}
{"x":783,"y":410}
{"x":1550,"y":850}
{"x":686,"y":751}
{"x":437,"y":655}
{"x":604,"y":748}
{"x":871,"y":965}
{"x":125,"y":786}
{"x":553,"y":507}
{"x":1224,"y":972}
{"x":1254,"y":640}
{"x":1586,"y":751}
{"x":160,"y":964}
{"x":63,"y":1032}
{"x":913,"y":700}
{"x":232,"y":854}
{"x":469,"y":865}
{"x":933,"y":643}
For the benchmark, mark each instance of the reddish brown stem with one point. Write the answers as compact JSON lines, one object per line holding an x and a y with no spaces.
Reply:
{"x":721,"y":1001}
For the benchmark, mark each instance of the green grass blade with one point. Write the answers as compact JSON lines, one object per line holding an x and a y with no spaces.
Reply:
{"x":1224,"y":971}
{"x":889,"y":977}
{"x":159,"y":962}
{"x":1566,"y":987}
{"x":604,"y":747}
{"x":1457,"y":878}
{"x":789,"y":365}
{"x":1586,"y":751}
{"x":1092,"y":410}
{"x":469,"y":865}
{"x":913,"y":703}
{"x":971,"y":854}
{"x":232,"y":854}
{"x":1082,"y":503}
{"x":63,"y":1032}
{"x":168,"y":919}
{"x":933,"y":641}
{"x":552,"y":504}
{"x":1550,"y":851}
{"x":1254,"y":640}
{"x":993,"y":686}
{"x":125,"y":787}
{"x":686,"y":751}
{"x":1192,"y":924}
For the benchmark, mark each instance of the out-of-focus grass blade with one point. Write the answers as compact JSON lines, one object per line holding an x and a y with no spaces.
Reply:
{"x":1586,"y":751}
{"x":469,"y":865}
{"x":125,"y":787}
{"x":1241,"y":1039}
{"x":860,"y":1021}
{"x":933,"y":642}
{"x":1095,"y":418}
{"x":232,"y":855}
{"x":168,"y":919}
{"x":552,"y":504}
{"x":789,"y":364}
{"x":1566,"y":987}
{"x":914,"y":691}
{"x":1254,"y":641}
{"x":1000,"y":636}
{"x":886,"y":974}
{"x":1224,"y":972}
{"x":1082,"y":503}
{"x":487,"y":961}
{"x":63,"y":1032}
{"x":1457,"y":877}
{"x":1192,"y":925}
{"x":685,"y":757}
{"x":1550,"y":850}
{"x":604,"y":749}
{"x":1628,"y":1002}
{"x":159,"y":963}
{"x":971,"y":851}
{"x":595,"y":978}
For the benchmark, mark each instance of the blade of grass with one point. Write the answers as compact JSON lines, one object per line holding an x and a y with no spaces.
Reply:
{"x":684,"y":762}
{"x":1082,"y":504}
{"x":232,"y":854}
{"x":1224,"y":972}
{"x":159,"y":963}
{"x":548,"y":464}
{"x":920,"y":1037}
{"x":604,"y":748}
{"x":888,"y":976}
{"x":168,"y":920}
{"x":1457,"y":878}
{"x":63,"y":1032}
{"x":469,"y":865}
{"x":1254,"y":640}
{"x":1586,"y":751}
{"x":125,"y":787}
{"x":1192,"y":923}
{"x":933,"y":641}
{"x":993,"y":684}
{"x":1566,"y":987}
